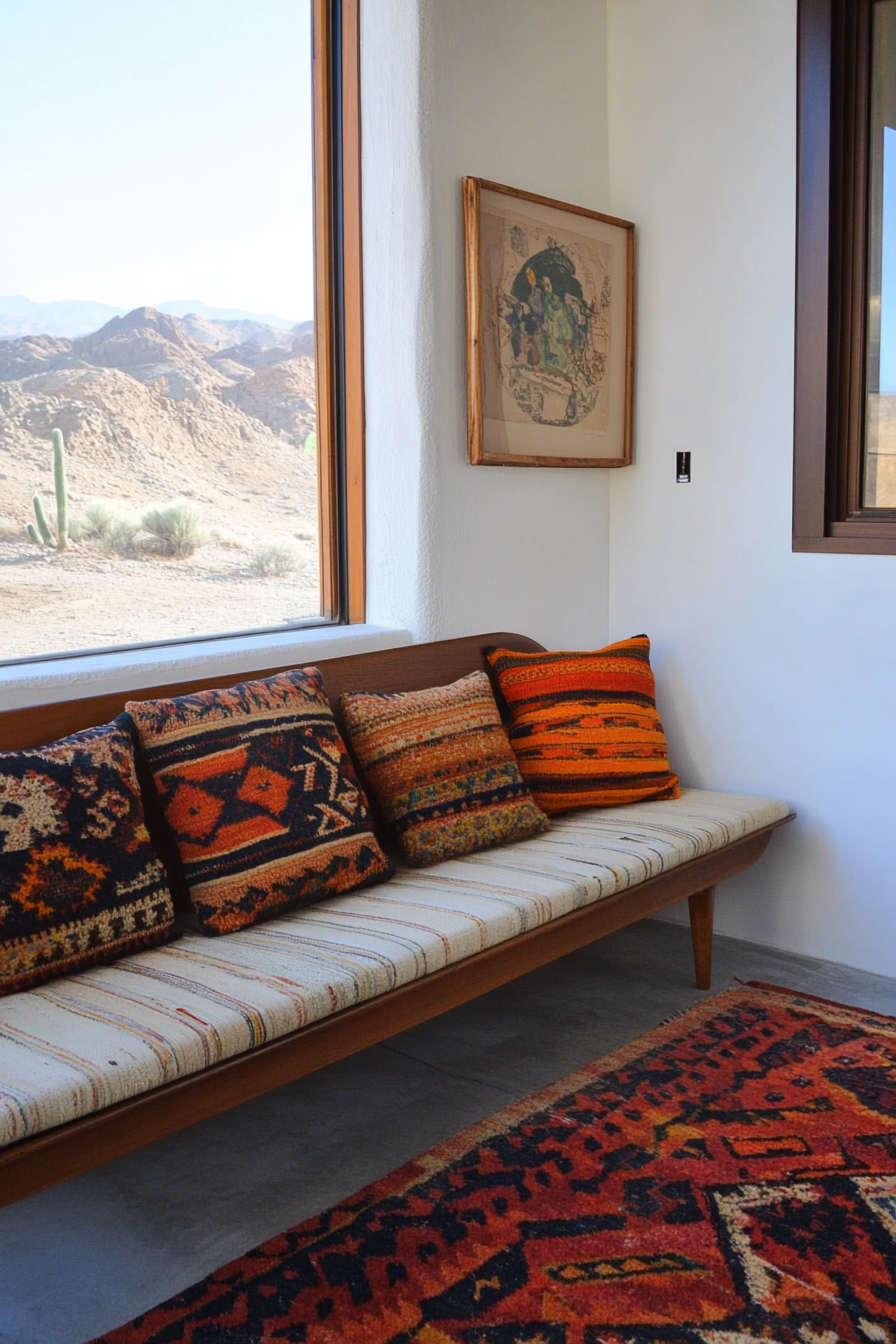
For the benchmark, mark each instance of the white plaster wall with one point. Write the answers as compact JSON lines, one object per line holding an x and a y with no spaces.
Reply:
{"x":514,"y":91}
{"x":777,"y":671}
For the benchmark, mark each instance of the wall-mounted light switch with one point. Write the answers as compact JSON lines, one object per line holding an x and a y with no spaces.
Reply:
{"x":682,"y":468}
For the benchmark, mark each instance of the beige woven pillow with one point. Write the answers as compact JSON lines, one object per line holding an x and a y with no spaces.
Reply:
{"x":439,"y":767}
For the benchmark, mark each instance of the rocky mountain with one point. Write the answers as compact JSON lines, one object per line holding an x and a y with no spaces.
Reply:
{"x":153,"y":406}
{"x":20,"y":316}
{"x":186,"y":307}
{"x":182,"y":359}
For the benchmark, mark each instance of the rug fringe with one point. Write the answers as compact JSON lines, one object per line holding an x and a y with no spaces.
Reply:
{"x":682,"y":1012}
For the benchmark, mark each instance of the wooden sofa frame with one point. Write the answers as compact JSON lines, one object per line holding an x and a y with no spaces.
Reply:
{"x":80,"y":1145}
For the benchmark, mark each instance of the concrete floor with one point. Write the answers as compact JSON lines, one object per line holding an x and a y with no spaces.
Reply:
{"x":87,"y":1256}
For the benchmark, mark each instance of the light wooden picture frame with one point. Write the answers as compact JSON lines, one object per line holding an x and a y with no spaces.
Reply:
{"x":550,"y":338}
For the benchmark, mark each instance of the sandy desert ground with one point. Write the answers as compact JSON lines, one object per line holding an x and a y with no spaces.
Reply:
{"x":81,"y":599}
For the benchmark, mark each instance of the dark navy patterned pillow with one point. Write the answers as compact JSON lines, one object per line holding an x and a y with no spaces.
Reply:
{"x":80,"y":883}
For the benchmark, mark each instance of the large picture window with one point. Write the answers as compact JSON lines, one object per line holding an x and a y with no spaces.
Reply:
{"x":845,"y":412}
{"x":180,"y":342}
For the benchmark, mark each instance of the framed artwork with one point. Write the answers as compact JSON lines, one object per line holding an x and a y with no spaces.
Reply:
{"x":550,"y":291}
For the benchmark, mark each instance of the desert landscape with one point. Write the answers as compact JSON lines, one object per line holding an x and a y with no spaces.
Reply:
{"x":880,"y":471}
{"x":192,"y":481}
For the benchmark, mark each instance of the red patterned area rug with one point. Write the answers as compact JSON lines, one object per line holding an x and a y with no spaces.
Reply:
{"x":729,"y":1178}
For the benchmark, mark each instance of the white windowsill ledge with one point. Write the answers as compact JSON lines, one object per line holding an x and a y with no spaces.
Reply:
{"x":46,"y":682}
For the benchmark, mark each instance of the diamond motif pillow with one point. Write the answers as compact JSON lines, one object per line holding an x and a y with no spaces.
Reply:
{"x":261,"y":796}
{"x":585,"y":730}
{"x":80,"y":883}
{"x":440,"y":768}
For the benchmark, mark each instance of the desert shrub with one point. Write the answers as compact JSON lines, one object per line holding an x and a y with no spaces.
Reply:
{"x":310,"y":444}
{"x":174,"y":529}
{"x":11,"y":529}
{"x":276,"y":559}
{"x":107,"y":524}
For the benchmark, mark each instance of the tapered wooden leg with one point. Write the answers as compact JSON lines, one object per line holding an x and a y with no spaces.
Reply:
{"x":701,"y":906}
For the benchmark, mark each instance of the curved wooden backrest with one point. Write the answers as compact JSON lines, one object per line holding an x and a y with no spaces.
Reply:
{"x":417,"y":666}
{"x":411,"y":668}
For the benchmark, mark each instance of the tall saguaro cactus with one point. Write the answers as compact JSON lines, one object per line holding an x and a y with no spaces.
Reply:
{"x":61,"y":490}
{"x":42,"y":535}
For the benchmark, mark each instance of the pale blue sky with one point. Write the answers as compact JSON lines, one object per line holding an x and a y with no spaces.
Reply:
{"x":155,"y":151}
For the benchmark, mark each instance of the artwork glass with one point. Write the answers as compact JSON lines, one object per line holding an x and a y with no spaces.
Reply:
{"x":549,"y":300}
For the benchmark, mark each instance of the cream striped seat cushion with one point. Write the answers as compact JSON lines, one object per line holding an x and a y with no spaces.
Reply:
{"x":78,"y":1044}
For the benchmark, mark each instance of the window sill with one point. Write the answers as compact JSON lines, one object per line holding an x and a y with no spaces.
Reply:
{"x":849,"y":543}
{"x":47,"y":682}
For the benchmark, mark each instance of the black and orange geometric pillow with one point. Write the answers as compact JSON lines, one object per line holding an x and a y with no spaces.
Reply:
{"x":585,"y":728}
{"x":261,"y":797}
{"x":80,"y":883}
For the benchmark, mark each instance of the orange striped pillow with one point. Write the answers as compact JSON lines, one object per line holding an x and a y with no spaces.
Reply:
{"x":586,"y":731}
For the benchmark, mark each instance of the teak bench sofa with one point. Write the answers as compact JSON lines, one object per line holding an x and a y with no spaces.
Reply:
{"x":271,"y":1004}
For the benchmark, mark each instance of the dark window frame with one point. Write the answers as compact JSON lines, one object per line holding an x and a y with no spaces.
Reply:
{"x":833,"y":114}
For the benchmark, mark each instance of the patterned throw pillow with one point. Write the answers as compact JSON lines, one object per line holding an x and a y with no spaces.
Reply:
{"x":80,"y":883}
{"x":440,"y":768}
{"x":585,"y":727}
{"x":261,"y":796}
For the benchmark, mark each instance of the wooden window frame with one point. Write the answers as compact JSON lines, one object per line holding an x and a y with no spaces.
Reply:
{"x":339,"y":364}
{"x":833,"y":101}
